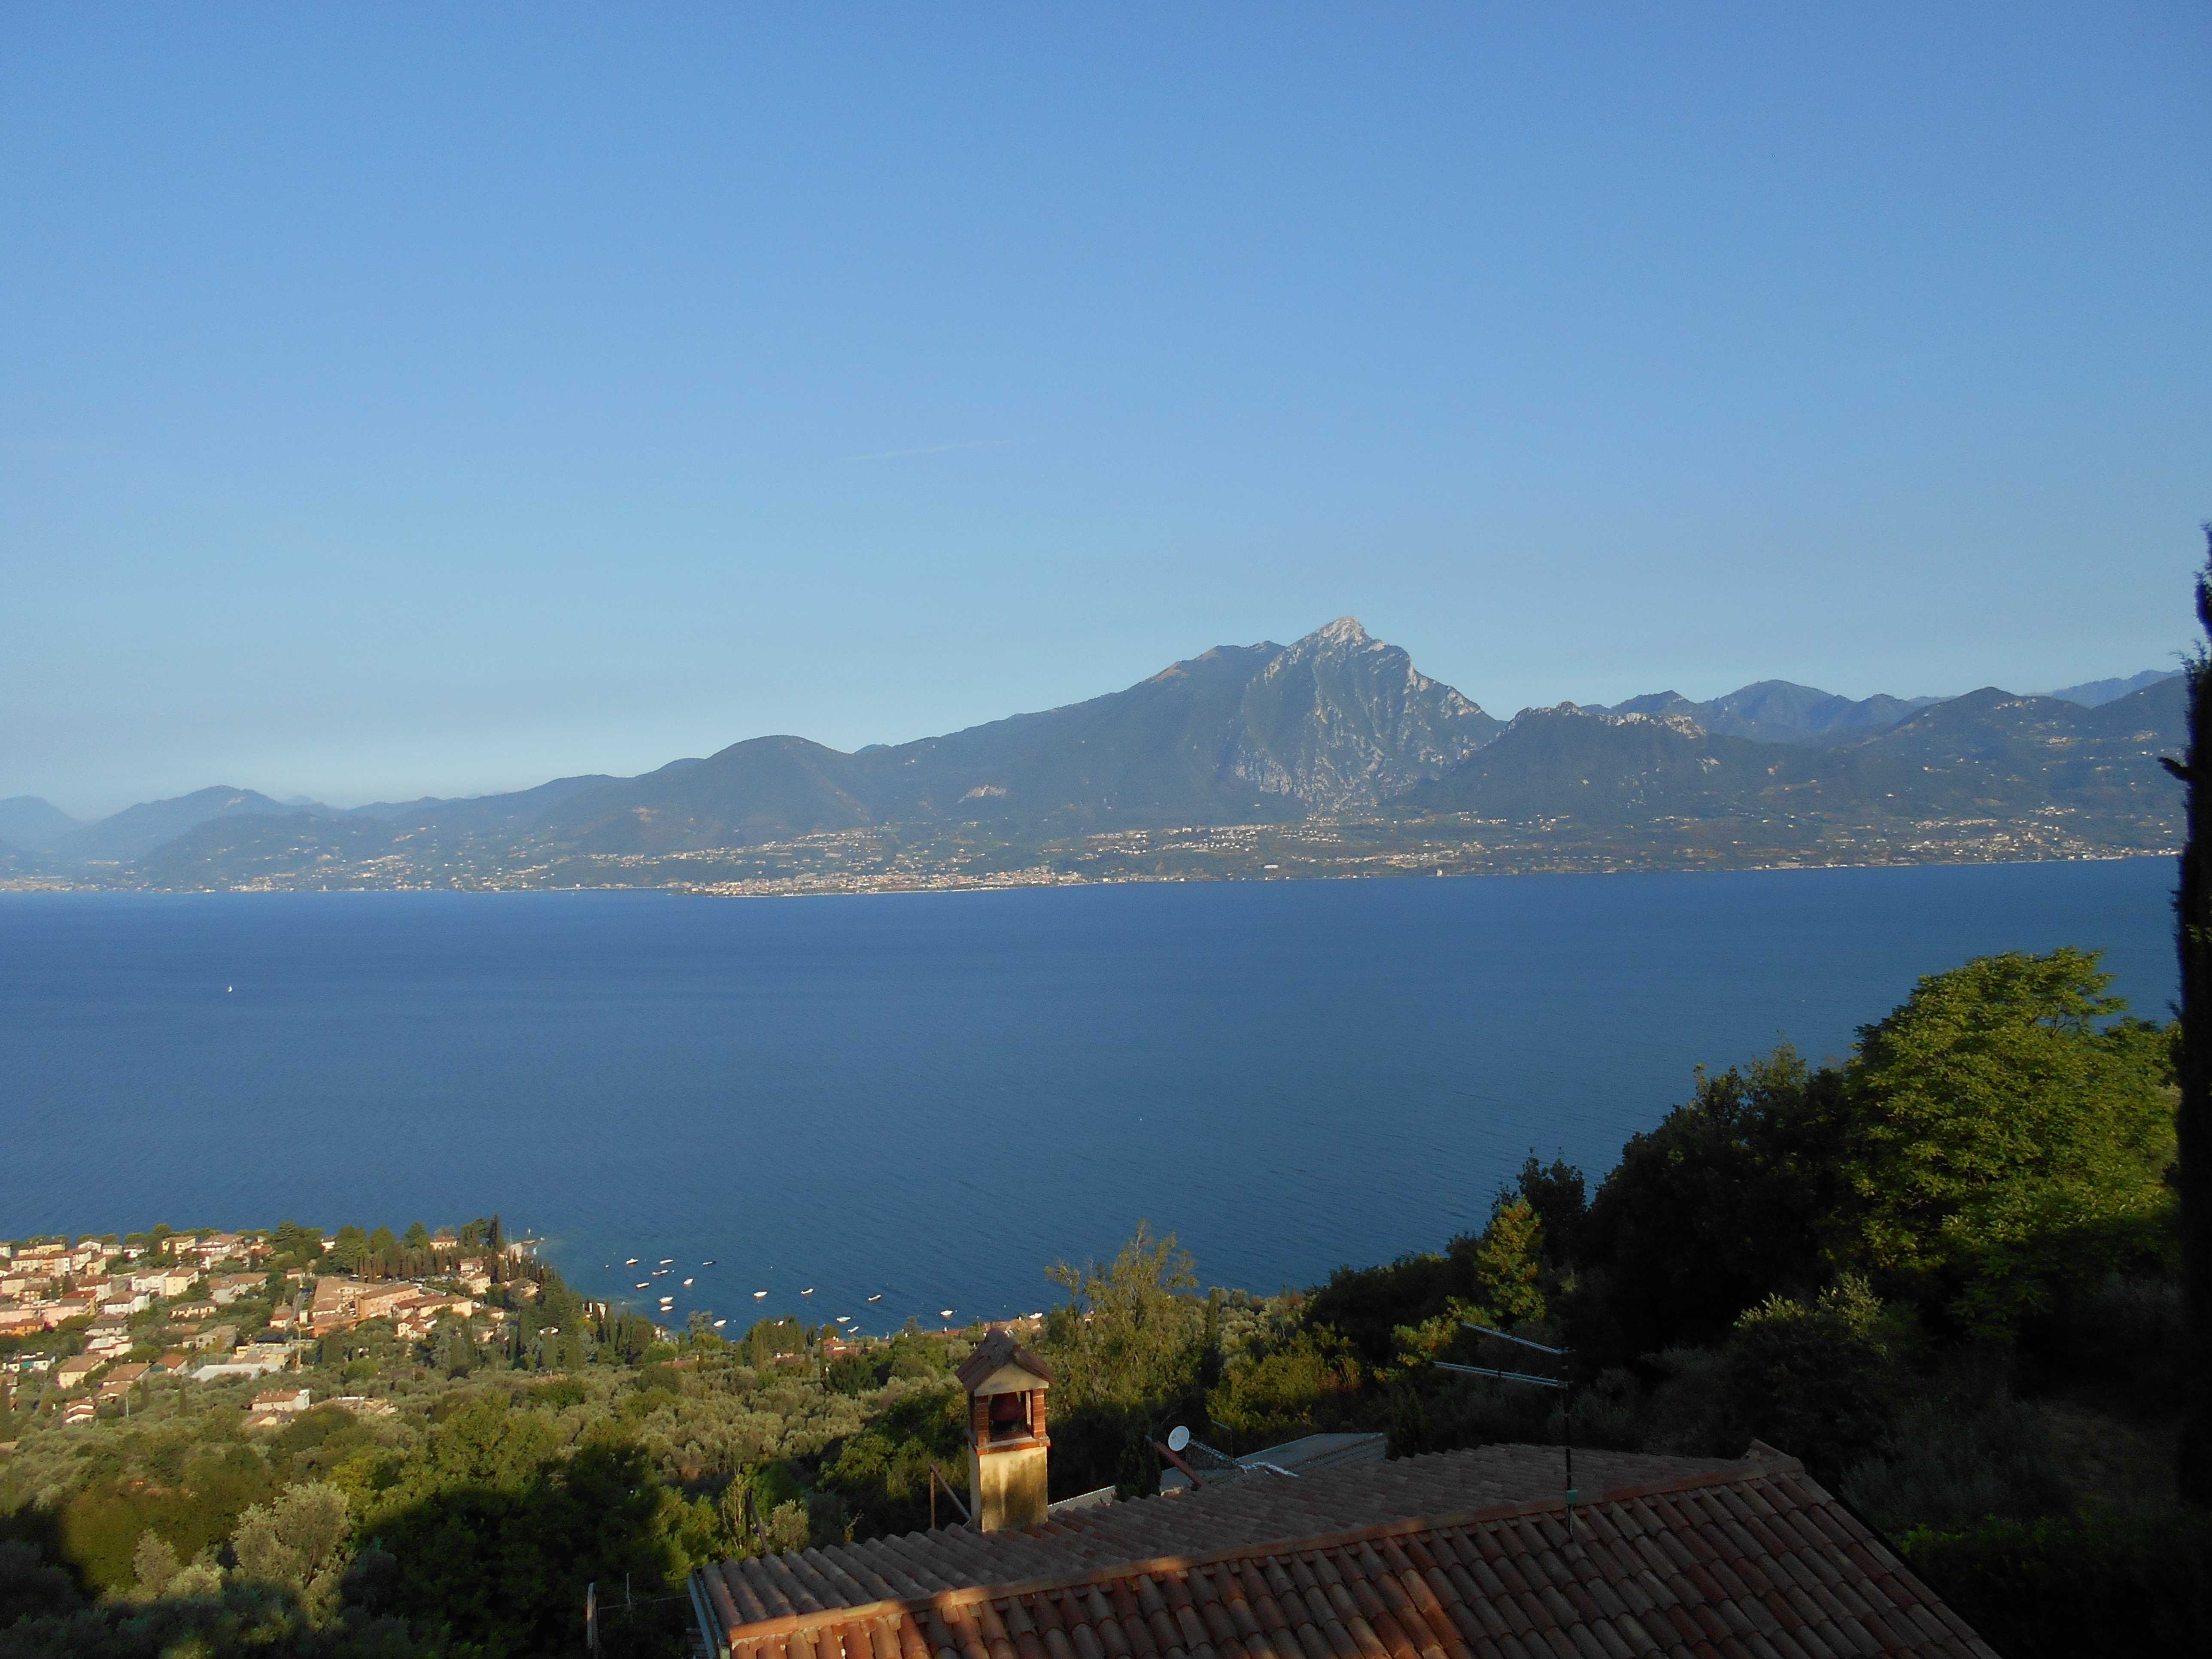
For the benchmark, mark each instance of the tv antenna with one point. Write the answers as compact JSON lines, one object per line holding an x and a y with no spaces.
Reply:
{"x":1564,"y":1386}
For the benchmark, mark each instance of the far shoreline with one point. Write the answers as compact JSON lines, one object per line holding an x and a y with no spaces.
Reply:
{"x":952,"y":885}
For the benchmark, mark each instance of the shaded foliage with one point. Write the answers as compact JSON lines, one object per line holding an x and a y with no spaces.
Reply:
{"x":1718,"y":1207}
{"x":2058,"y":1588}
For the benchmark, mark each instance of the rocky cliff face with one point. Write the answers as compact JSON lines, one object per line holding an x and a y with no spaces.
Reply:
{"x":1340,"y":720}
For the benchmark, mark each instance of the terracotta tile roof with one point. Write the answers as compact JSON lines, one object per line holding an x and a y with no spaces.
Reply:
{"x":1667,"y":1557}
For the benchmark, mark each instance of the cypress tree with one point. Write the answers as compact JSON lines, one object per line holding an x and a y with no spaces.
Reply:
{"x":2193,"y":936}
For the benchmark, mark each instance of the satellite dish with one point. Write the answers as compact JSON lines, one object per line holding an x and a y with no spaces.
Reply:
{"x":1178,"y":1437}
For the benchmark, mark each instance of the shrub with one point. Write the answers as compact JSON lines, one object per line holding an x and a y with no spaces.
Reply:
{"x":1815,"y":1378}
{"x":1948,"y":1462}
{"x":2125,"y":1328}
{"x":2071,"y":1589}
{"x":1309,"y":1383}
{"x":30,"y":1585}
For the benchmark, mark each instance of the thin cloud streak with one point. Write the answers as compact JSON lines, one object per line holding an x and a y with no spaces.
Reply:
{"x":937,"y":449}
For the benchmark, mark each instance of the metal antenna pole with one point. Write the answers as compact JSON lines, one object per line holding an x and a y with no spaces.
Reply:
{"x":1567,"y":1396}
{"x":1567,"y":1439}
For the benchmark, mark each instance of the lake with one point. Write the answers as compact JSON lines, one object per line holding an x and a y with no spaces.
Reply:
{"x":928,"y":1098}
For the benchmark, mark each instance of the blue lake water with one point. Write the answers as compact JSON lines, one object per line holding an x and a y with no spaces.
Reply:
{"x":930,"y":1097}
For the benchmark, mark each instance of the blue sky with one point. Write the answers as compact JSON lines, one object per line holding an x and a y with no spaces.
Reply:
{"x":403,"y":399}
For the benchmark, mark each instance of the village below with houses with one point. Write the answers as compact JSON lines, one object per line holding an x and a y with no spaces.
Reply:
{"x":97,"y":1326}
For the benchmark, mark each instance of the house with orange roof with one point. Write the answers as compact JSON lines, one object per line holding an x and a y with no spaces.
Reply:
{"x":1475,"y":1554}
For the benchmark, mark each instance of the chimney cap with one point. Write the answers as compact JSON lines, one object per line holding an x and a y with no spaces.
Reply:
{"x":986,"y":1370}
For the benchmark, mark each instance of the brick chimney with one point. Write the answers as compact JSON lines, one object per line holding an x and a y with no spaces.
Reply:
{"x":1007,"y":1445}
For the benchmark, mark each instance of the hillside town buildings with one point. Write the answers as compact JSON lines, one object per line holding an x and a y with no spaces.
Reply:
{"x":177,"y":1309}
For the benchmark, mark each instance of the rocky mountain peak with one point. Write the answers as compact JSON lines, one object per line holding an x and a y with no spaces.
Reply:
{"x":1345,"y":631}
{"x":1340,"y":720}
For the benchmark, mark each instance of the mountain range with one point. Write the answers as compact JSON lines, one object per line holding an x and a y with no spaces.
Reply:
{"x":1335,"y":740}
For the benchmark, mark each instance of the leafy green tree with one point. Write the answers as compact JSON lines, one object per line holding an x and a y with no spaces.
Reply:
{"x":298,"y":1543}
{"x":348,"y":1251}
{"x":1371,"y":1308}
{"x":383,"y":1252}
{"x":498,"y":1526}
{"x":1127,"y":1335}
{"x":1128,"y":1345}
{"x":154,"y":1563}
{"x":417,"y":1237}
{"x":2011,"y":1133}
{"x":292,"y":1245}
{"x":1560,"y":1197}
{"x":700,"y":1335}
{"x":769,"y":1340}
{"x":1509,"y":1263}
{"x":912,"y":1355}
{"x":855,"y":1374}
{"x":787,"y":1527}
{"x":883,"y":1471}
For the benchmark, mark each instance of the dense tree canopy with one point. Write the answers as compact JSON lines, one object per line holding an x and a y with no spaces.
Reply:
{"x":2009,"y":1133}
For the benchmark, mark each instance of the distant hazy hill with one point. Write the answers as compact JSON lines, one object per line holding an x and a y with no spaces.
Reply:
{"x":1989,"y":753}
{"x":135,"y":831}
{"x":1336,"y":726}
{"x":482,"y":812}
{"x":29,"y":824}
{"x":240,"y":849}
{"x":2092,"y":694}
{"x":1776,"y":711}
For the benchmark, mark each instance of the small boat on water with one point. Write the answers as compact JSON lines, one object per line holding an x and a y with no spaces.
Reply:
{"x":757,"y":1295}
{"x":844,"y":1319}
{"x":643,"y":1284}
{"x":708,"y":1262}
{"x":808,"y":1290}
{"x":632,"y":1263}
{"x":686,"y":1284}
{"x":945,"y":1313}
{"x":878,"y":1296}
{"x":668,"y":1261}
{"x":719,"y":1323}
